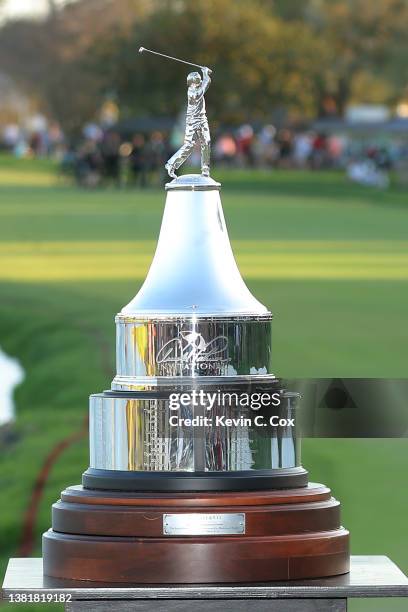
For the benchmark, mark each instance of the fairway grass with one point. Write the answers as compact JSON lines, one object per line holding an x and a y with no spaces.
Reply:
{"x":329,"y":259}
{"x":262,"y":259}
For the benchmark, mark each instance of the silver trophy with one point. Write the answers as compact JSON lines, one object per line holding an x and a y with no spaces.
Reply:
{"x":185,"y":449}
{"x":195,"y":330}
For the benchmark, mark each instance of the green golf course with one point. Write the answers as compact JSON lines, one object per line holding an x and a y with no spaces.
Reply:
{"x":329,"y":258}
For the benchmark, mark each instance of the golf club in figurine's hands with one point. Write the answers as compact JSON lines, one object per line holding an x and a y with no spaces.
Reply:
{"x":187,"y":482}
{"x":197,"y":129}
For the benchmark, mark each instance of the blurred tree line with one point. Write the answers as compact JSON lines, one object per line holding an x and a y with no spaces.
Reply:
{"x":272,"y":59}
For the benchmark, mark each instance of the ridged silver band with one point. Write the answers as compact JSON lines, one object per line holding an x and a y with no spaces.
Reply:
{"x":193,"y":182}
{"x":170,"y":187}
{"x":136,"y":435}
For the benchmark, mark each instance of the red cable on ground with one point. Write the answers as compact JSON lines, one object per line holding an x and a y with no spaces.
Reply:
{"x":27,"y":540}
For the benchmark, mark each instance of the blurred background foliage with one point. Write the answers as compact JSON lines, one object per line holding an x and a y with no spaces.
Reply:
{"x":302,"y":59}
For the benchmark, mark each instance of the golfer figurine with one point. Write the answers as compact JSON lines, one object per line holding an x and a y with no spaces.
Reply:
{"x":197,"y":129}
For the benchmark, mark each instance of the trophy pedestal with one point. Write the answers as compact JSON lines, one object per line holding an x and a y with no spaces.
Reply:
{"x":202,"y":537}
{"x":195,"y":473}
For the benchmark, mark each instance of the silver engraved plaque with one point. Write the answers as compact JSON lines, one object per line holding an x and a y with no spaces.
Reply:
{"x":204,"y":524}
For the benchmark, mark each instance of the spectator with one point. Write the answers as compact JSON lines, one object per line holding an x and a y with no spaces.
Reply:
{"x":319,"y":155}
{"x":302,"y":149}
{"x":244,"y":145}
{"x":88,"y":167}
{"x":137,"y":160}
{"x":225,"y":149}
{"x":157,"y":151}
{"x":285,"y":145}
{"x":111,"y":157}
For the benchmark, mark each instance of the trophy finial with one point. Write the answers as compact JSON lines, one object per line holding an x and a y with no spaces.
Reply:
{"x":197,"y":129}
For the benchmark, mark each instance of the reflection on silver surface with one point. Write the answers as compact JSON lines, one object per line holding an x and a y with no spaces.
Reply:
{"x":135,"y":434}
{"x":204,"y":523}
{"x":193,"y":182}
{"x":128,"y":434}
{"x":185,"y":346}
{"x":193,"y":272}
{"x":193,"y":324}
{"x":197,"y":130}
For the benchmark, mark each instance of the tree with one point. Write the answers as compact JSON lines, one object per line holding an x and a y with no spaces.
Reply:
{"x":259,"y":61}
{"x":50,"y":58}
{"x":267,"y":56}
{"x":366,"y":43}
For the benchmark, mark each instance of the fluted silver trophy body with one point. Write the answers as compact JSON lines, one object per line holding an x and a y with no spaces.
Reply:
{"x":193,"y":357}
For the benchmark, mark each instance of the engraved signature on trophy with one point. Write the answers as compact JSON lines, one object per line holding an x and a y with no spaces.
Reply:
{"x":190,"y":349}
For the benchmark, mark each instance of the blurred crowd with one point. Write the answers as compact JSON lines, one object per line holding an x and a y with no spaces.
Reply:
{"x":269,"y":147}
{"x":107,"y":156}
{"x":37,"y":138}
{"x":104,"y":157}
{"x":110,"y":157}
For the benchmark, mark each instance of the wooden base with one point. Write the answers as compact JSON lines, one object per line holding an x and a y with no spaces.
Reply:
{"x":118,"y":537}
